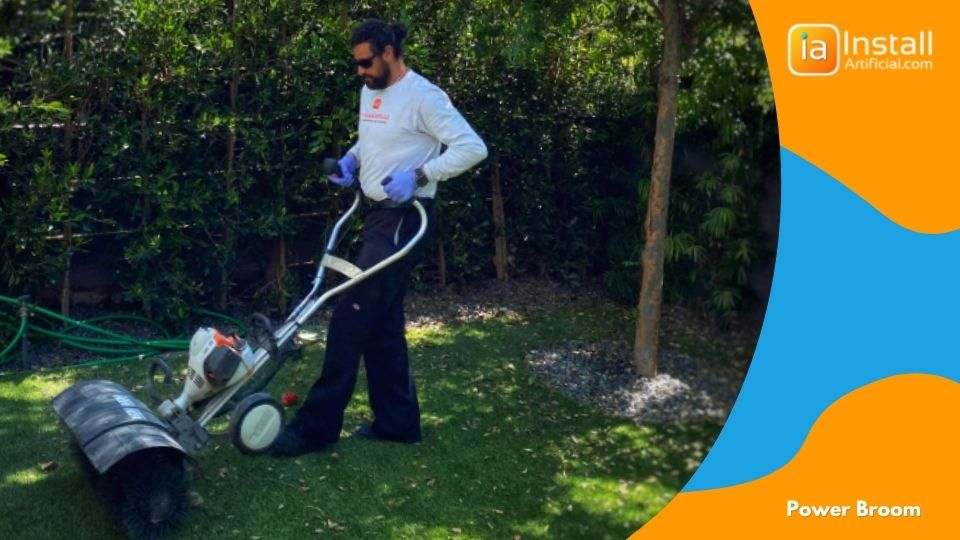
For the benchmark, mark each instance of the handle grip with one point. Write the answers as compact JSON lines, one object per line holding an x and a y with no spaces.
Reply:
{"x":392,"y":204}
{"x":332,"y":167}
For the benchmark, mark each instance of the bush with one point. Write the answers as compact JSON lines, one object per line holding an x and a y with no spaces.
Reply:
{"x":192,"y":132}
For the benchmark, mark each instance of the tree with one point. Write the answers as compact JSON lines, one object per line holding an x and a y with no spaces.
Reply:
{"x":655,"y":229}
{"x":185,"y":140}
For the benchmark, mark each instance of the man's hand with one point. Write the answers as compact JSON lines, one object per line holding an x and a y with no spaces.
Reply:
{"x":400,"y":186}
{"x":348,"y":166}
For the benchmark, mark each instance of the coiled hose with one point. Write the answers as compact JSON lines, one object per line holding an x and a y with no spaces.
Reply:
{"x":112,"y":347}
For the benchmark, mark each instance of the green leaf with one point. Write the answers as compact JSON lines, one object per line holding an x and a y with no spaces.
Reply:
{"x":719,"y":221}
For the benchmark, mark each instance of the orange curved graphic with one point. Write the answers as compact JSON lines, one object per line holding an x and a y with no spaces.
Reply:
{"x":887,"y":134}
{"x":891,"y":444}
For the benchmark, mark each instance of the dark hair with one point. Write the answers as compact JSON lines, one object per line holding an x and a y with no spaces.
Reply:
{"x":380,"y":34}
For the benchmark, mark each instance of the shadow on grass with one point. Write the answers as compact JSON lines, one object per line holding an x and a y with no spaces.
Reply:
{"x":502,"y":455}
{"x":37,"y":503}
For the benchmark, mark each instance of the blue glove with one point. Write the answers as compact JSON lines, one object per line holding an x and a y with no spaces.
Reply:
{"x":348,"y":166}
{"x":401,"y":186}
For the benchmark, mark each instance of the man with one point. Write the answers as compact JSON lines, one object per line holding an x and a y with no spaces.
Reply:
{"x":404,"y":120}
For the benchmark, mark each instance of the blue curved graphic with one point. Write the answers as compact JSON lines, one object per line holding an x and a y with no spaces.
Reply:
{"x":855,"y":298}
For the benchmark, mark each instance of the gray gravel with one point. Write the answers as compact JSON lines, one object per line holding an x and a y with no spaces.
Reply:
{"x":599,"y":374}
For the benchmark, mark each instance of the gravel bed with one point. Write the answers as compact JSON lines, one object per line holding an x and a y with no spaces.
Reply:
{"x":599,"y":374}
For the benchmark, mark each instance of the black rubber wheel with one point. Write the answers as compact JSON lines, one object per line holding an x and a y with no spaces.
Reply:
{"x":256,"y":423}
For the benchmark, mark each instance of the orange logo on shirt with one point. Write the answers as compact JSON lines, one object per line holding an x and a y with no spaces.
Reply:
{"x":377,"y":102}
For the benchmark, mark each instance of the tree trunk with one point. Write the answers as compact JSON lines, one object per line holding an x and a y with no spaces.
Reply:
{"x":230,"y":177}
{"x":283,"y":296}
{"x":233,"y":195}
{"x":67,"y":32}
{"x":499,"y":220}
{"x":145,"y":198}
{"x":655,"y":228}
{"x":68,"y":156}
{"x":144,"y":142}
{"x":65,"y":291}
{"x":441,"y":254}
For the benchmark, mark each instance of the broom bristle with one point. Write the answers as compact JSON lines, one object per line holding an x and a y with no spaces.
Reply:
{"x":146,"y":491}
{"x":153,"y":494}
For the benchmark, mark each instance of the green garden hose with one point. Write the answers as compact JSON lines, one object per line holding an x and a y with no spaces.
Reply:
{"x":43,"y":325}
{"x":16,"y":339}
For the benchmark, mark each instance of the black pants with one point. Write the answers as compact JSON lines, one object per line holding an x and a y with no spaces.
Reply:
{"x":368,"y":321}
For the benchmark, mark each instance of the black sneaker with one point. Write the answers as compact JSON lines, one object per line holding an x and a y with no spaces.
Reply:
{"x":366,"y":431}
{"x":290,"y":444}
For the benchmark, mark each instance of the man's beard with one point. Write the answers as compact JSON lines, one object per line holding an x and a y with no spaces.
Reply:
{"x":378,"y":83}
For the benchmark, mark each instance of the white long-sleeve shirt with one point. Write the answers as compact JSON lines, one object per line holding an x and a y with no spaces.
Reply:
{"x":402,"y":128}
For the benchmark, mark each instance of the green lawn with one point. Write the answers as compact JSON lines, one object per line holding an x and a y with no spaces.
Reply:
{"x":502,"y":457}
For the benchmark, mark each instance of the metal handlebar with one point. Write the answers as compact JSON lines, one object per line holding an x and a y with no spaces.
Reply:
{"x":310,"y":304}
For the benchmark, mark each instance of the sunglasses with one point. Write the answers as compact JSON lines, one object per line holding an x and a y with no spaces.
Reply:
{"x":366,"y":62}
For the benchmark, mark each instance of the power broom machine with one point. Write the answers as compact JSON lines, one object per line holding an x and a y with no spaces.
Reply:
{"x":139,"y":460}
